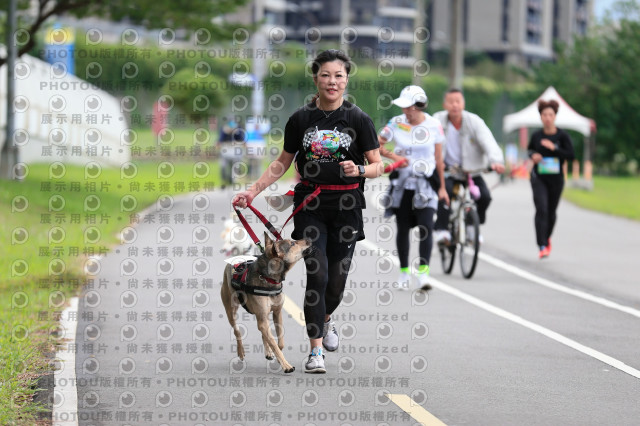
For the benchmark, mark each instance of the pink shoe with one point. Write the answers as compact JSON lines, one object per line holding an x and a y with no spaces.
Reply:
{"x":544,"y":252}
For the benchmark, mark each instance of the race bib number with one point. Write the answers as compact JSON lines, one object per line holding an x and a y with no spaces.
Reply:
{"x":549,"y":166}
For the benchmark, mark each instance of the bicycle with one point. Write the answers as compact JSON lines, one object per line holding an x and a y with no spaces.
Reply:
{"x":464,"y":224}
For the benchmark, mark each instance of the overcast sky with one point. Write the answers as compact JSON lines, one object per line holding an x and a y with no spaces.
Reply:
{"x":600,"y":6}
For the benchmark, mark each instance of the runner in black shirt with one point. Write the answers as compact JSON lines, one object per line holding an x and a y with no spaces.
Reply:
{"x":335,"y":146}
{"x":549,"y":148}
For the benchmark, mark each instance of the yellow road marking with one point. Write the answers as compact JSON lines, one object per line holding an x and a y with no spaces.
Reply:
{"x":293,"y":310}
{"x":414,"y":409}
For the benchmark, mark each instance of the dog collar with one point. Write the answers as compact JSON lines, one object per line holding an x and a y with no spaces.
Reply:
{"x":270,"y":280}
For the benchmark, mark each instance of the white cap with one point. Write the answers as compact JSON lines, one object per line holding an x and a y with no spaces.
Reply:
{"x":409,"y":96}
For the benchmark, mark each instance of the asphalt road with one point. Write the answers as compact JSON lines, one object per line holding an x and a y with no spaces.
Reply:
{"x":552,"y":342}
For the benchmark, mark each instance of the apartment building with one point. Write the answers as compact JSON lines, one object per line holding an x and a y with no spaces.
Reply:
{"x":518,"y":32}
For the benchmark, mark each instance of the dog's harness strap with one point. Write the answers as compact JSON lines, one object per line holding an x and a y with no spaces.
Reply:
{"x":239,"y":282}
{"x":316,"y":192}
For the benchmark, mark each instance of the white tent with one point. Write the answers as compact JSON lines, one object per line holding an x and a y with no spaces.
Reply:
{"x":567,"y":117}
{"x":59,"y":117}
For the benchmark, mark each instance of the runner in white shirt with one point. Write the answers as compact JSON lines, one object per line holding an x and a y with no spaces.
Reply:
{"x":417,"y":139}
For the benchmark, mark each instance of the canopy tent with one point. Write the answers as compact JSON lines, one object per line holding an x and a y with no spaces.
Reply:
{"x":567,"y":117}
{"x":59,"y":117}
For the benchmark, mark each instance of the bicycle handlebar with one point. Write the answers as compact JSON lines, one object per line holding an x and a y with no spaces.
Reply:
{"x":459,"y":170}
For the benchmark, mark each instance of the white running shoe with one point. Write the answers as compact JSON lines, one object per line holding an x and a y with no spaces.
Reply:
{"x":442,"y":236}
{"x":330,"y":338}
{"x":423,"y":280}
{"x":315,"y":363}
{"x":471,"y":235}
{"x":404,"y":281}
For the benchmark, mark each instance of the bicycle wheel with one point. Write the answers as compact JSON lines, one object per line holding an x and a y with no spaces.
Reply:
{"x":470,"y":245}
{"x":447,"y":257}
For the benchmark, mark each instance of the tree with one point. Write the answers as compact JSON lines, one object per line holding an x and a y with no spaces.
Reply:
{"x":190,"y":15}
{"x":195,"y":16}
{"x":598,"y":75}
{"x":196,"y":97}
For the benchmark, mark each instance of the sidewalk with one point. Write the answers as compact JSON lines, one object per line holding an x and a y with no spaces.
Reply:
{"x":594,"y":252}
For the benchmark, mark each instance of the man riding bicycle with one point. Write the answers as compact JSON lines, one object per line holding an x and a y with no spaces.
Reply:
{"x":469,"y":144}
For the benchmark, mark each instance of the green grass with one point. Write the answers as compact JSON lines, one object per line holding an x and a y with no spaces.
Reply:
{"x":38,"y":236}
{"x":619,"y":196}
{"x":145,"y":140}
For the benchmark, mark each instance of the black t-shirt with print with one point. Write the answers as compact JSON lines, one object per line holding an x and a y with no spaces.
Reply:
{"x":563,"y":151}
{"x":321,"y":143}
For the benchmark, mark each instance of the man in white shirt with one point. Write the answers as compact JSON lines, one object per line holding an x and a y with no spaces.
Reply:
{"x":470,"y":145}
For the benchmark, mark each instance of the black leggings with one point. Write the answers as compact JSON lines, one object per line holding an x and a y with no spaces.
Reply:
{"x":546,"y":197}
{"x":406,"y":218}
{"x":334,"y":234}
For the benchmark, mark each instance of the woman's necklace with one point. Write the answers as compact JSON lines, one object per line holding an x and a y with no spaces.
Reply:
{"x":325,"y":112}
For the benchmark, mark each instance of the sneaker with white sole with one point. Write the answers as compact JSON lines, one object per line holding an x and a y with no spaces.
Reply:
{"x":442,"y":236}
{"x":404,"y":281}
{"x":330,"y":338}
{"x":423,"y":280}
{"x":315,"y":363}
{"x":471,"y":235}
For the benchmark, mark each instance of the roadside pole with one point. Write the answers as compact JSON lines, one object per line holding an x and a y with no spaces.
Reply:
{"x":10,"y":156}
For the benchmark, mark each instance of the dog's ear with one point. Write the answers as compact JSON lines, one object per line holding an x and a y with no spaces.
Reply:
{"x":268,"y":244}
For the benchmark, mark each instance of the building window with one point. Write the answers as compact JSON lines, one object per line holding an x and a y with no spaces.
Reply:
{"x":582,"y":17}
{"x":465,"y":21}
{"x":361,"y":12}
{"x":411,"y":4}
{"x":398,"y":24}
{"x":534,"y":18}
{"x":505,"y":20}
{"x":556,"y":19}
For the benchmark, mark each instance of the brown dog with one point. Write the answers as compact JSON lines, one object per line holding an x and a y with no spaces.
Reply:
{"x":264,"y":275}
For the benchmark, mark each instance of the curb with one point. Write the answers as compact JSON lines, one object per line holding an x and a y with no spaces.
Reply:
{"x":65,"y":392}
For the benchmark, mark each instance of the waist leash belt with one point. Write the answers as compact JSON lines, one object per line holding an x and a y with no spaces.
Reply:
{"x":318,"y":188}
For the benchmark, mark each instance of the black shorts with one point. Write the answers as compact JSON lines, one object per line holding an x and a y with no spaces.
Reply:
{"x":340,"y":226}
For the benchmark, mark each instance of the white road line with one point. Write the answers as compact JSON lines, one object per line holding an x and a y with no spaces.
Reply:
{"x":293,"y":310}
{"x":554,"y":286}
{"x":65,"y":402}
{"x":537,"y":328}
{"x":525,"y":323}
{"x":414,"y":409}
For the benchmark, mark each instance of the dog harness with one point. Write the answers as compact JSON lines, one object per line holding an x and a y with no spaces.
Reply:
{"x":239,"y":284}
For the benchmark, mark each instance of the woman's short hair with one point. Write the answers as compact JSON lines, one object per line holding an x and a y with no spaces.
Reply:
{"x":553,"y":104}
{"x":330,"y":56}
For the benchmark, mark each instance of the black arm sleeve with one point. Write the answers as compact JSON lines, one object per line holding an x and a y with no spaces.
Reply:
{"x":292,"y":135}
{"x":565,"y":147}
{"x":531,"y":148}
{"x":367,"y":137}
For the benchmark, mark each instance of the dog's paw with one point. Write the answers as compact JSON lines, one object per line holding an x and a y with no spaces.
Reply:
{"x":290,"y":370}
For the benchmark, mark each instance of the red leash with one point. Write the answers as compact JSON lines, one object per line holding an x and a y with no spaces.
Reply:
{"x":390,"y":167}
{"x":307,"y":200}
{"x":263,"y":219}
